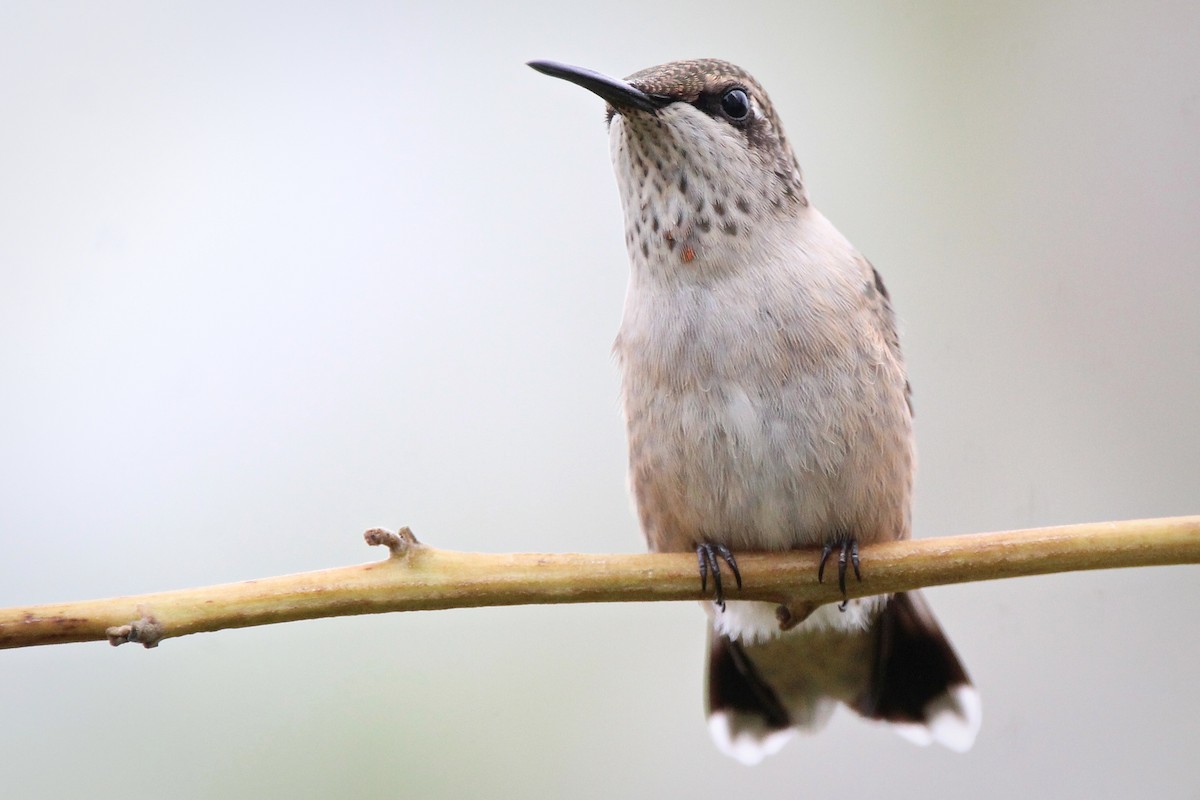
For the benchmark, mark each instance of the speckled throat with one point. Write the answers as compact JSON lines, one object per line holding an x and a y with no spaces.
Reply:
{"x":692,"y":179}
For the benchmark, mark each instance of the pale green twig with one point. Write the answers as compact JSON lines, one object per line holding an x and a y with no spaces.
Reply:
{"x":419,"y":577}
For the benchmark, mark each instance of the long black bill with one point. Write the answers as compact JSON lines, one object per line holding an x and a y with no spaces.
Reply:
{"x":619,"y":94}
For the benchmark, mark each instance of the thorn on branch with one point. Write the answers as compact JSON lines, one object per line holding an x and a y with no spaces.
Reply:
{"x":399,"y":543}
{"x":792,"y":613}
{"x":146,"y":630}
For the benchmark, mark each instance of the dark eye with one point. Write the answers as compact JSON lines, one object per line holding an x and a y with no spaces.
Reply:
{"x":736,"y":104}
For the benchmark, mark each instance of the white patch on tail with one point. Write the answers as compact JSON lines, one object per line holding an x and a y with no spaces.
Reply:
{"x":747,"y":746}
{"x":953,"y":720}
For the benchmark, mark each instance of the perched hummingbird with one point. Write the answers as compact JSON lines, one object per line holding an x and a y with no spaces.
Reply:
{"x":767,"y":408}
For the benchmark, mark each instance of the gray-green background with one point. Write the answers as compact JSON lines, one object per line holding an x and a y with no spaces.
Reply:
{"x":271,"y":274}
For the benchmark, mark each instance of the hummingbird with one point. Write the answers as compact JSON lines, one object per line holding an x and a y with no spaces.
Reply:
{"x":767,"y":407}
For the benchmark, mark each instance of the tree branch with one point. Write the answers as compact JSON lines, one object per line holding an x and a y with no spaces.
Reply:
{"x":418,"y":577}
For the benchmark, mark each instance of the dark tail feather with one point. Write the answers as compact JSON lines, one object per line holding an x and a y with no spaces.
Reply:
{"x":901,"y":670}
{"x":745,"y":716}
{"x":917,"y":681}
{"x":734,"y":685}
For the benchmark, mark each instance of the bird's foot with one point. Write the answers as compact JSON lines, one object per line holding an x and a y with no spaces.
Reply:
{"x":847,"y":549}
{"x":706,"y":554}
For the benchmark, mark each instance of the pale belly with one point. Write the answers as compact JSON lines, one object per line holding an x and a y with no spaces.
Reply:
{"x":732,"y":467}
{"x":769,"y":468}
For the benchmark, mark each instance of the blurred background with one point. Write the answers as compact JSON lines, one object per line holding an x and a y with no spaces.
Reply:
{"x":274,"y":273}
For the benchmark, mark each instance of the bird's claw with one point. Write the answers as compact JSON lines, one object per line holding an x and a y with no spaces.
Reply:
{"x":706,"y":555}
{"x":847,"y":556}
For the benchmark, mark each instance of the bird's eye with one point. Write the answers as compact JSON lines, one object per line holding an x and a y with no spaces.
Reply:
{"x":736,"y":104}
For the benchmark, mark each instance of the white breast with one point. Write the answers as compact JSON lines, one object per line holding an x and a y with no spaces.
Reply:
{"x":765,"y":409}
